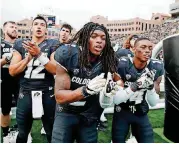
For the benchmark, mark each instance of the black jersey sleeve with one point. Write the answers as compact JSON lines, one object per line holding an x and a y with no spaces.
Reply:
{"x":67,"y":55}
{"x":122,"y":66}
{"x":158,"y":66}
{"x":54,"y":44}
{"x":18,"y":46}
{"x":123,"y":52}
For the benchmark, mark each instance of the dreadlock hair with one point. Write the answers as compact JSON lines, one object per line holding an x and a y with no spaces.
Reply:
{"x":108,"y":58}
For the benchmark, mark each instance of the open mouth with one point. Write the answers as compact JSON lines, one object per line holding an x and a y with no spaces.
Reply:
{"x":39,"y":31}
{"x":98,"y":48}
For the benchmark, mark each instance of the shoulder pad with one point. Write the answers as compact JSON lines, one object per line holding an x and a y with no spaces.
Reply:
{"x":18,"y":42}
{"x":67,"y":56}
{"x":158,"y":67}
{"x":65,"y":52}
{"x":53,"y":42}
{"x":157,"y":64}
{"x":123,"y":59}
{"x":123,"y":62}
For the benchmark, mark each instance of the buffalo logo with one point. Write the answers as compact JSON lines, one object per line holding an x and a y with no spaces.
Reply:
{"x":21,"y":95}
{"x":118,"y":108}
{"x":88,"y":73}
{"x":59,"y":108}
{"x":36,"y":94}
{"x":50,"y":88}
{"x":128,"y":76}
{"x":76,"y":71}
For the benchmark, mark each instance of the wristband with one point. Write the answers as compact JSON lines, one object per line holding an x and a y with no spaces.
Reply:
{"x":84,"y":92}
{"x":43,"y":59}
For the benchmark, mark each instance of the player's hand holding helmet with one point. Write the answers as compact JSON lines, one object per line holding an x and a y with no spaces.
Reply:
{"x":145,"y":81}
{"x":95,"y":85}
{"x":109,"y":90}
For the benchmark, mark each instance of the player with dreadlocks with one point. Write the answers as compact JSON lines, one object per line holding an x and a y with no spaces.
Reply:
{"x":79,"y":79}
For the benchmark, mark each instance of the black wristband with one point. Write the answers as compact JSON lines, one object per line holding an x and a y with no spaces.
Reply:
{"x":84,"y":92}
{"x":151,"y":87}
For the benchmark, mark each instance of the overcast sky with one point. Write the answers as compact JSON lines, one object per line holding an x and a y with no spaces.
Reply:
{"x":78,"y":12}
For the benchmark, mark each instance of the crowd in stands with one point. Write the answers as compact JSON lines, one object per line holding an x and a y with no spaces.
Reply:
{"x":155,"y":34}
{"x":161,"y":31}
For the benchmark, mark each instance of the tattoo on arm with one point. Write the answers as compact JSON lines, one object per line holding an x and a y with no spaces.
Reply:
{"x":62,"y":80}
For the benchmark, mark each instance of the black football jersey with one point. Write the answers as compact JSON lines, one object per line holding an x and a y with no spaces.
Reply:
{"x":35,"y":76}
{"x":67,"y":56}
{"x":6,"y":49}
{"x":130,"y":74}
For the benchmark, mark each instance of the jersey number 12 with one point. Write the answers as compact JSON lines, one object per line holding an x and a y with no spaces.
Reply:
{"x":33,"y":70}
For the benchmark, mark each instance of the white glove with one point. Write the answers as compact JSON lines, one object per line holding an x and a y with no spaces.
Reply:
{"x":96,"y":84}
{"x":152,"y":97}
{"x":122,"y":95}
{"x":146,"y":80}
{"x":114,"y":93}
{"x":111,"y":87}
{"x":105,"y":97}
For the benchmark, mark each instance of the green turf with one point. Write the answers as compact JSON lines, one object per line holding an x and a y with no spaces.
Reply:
{"x":105,"y":137}
{"x":36,"y":135}
{"x":159,"y":131}
{"x":156,"y":118}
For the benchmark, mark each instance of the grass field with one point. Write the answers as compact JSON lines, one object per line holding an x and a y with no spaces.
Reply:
{"x":156,"y":118}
